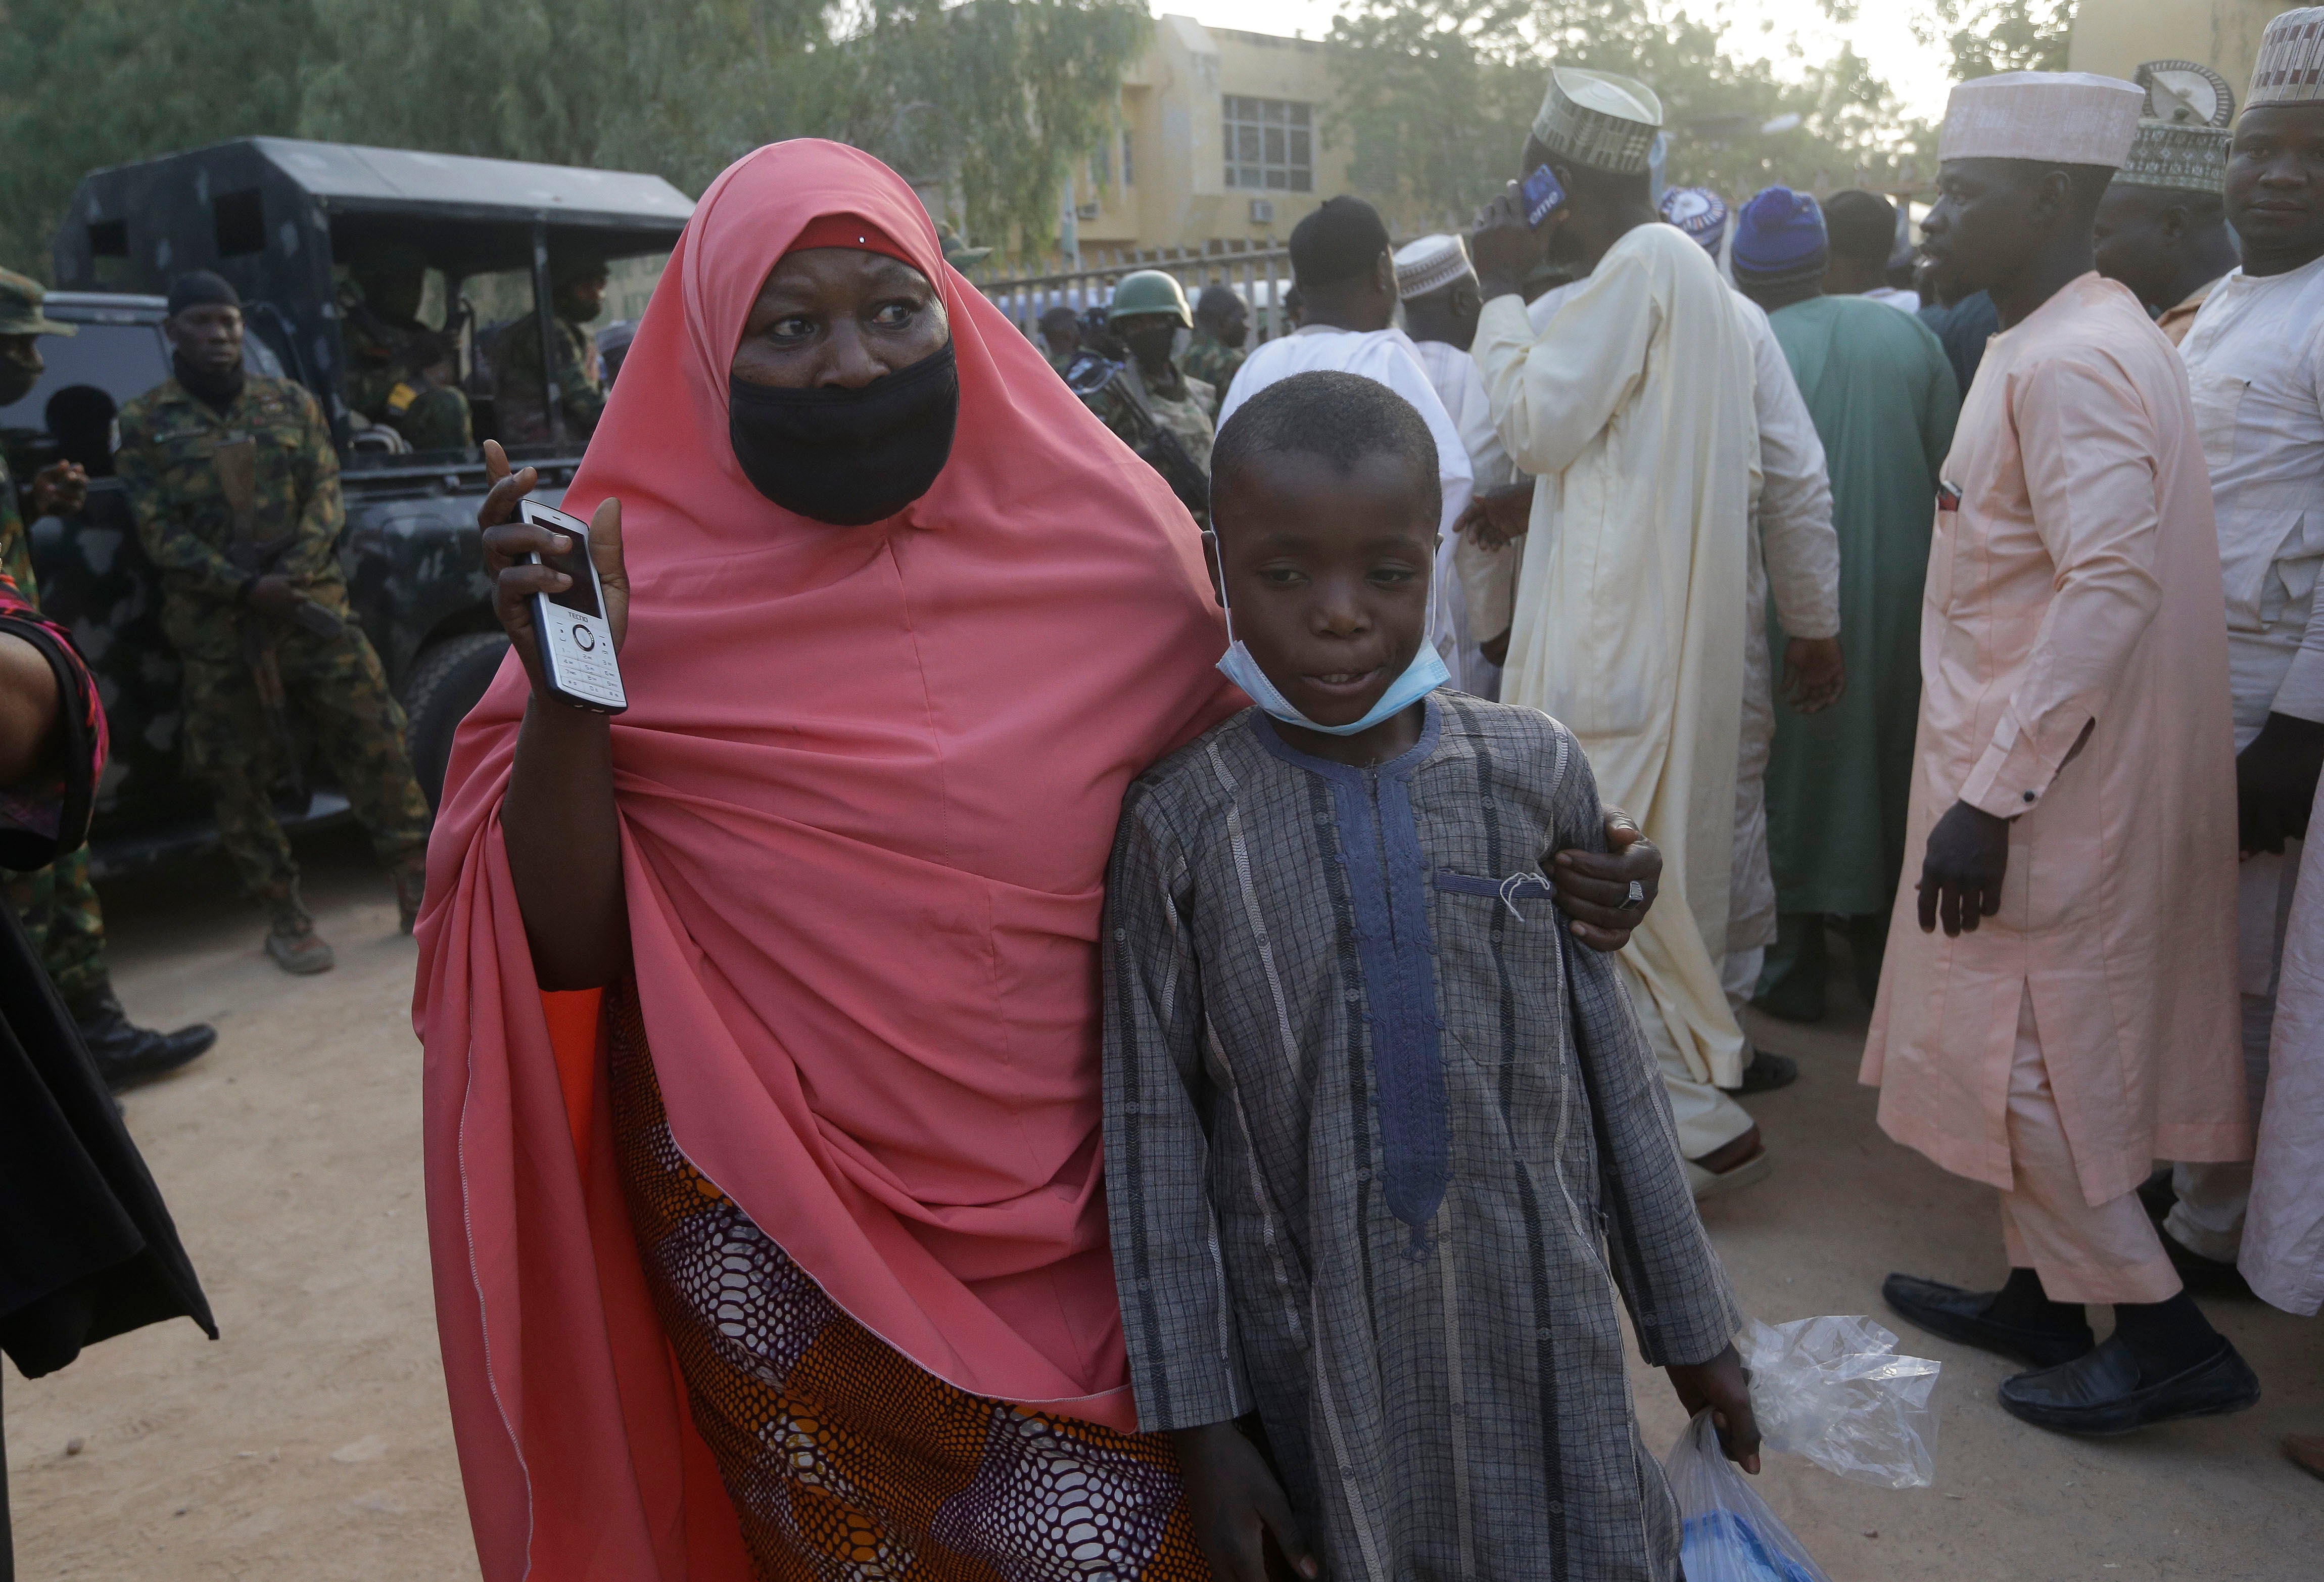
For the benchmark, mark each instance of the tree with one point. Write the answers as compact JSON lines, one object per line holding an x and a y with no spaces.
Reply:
{"x":1987,"y":36}
{"x":1437,"y":96}
{"x":91,"y":83}
{"x":998,"y":97}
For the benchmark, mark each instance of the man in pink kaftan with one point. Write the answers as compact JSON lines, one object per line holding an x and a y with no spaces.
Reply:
{"x":2074,"y":793}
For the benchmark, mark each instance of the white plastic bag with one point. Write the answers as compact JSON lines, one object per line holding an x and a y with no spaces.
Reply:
{"x":1729,"y":1534}
{"x":1834,"y":1390}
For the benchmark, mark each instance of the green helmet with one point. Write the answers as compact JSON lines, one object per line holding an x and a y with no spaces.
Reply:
{"x":1150,"y":290}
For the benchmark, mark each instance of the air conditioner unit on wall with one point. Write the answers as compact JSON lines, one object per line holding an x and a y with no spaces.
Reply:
{"x":1085,"y":211}
{"x":1262,"y":211}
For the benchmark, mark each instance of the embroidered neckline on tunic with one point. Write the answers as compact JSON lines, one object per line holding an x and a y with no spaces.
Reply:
{"x":1388,"y":885}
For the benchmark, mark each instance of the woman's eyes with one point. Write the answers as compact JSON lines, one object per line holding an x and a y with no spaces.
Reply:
{"x":1392,"y":576}
{"x":794,"y":327}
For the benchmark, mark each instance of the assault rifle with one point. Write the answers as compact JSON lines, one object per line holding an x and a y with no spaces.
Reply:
{"x":1156,"y":446}
{"x":236,"y":461}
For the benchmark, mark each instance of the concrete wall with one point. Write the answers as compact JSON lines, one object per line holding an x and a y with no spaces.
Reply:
{"x":2114,"y":36}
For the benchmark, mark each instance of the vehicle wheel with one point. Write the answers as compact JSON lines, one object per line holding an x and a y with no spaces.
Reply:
{"x":445,"y":684}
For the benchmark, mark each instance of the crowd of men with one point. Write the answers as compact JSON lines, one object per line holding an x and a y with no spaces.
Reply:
{"x":1983,"y":567}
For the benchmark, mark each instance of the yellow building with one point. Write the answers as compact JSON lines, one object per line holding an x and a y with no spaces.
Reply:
{"x":2112,"y":37}
{"x":1220,"y":146}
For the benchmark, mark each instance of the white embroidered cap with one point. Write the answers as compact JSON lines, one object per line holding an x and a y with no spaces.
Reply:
{"x":2059,"y":117}
{"x":2290,"y":60}
{"x":1597,"y":119}
{"x":1430,"y":264}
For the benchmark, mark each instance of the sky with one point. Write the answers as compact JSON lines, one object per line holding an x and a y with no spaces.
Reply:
{"x":1882,"y":35}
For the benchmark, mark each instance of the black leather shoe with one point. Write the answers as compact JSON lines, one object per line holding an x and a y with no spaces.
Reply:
{"x":127,"y":1054}
{"x":1959,"y":1315}
{"x":1767,"y":1073}
{"x":2100,"y":1392}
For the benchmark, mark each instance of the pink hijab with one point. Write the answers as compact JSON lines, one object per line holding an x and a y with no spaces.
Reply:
{"x":868,"y":781}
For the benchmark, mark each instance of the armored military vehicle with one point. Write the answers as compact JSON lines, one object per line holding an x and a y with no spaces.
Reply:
{"x":290,"y":224}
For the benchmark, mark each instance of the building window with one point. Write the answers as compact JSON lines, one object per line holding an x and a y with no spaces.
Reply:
{"x":1269,"y":144}
{"x":1129,"y":165}
{"x":1101,"y":167}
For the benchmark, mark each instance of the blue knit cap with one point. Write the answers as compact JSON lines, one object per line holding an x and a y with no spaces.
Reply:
{"x":1780,"y":239}
{"x":1697,"y":211}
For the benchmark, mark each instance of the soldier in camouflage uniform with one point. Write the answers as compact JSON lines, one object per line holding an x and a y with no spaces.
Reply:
{"x":242,"y":597}
{"x":1221,"y":326}
{"x":400,"y":374}
{"x":58,"y":904}
{"x":1148,"y":310}
{"x":577,"y":296}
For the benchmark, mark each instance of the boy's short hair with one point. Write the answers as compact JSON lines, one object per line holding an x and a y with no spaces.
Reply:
{"x":1340,"y":418}
{"x":1340,"y":241}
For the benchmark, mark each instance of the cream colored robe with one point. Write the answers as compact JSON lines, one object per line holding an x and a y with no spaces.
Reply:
{"x":1634,"y":408}
{"x":2077,"y":587}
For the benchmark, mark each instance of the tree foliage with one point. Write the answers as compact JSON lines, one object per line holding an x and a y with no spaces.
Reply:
{"x":1987,"y":36}
{"x":984,"y":104}
{"x":1437,"y":96}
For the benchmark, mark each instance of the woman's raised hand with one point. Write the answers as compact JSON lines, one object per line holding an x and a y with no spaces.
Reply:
{"x":507,"y":540}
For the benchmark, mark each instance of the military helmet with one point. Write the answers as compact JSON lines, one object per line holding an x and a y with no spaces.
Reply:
{"x":21,"y":307}
{"x":1150,"y":290}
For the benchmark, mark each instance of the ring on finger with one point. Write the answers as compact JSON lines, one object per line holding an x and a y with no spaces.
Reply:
{"x":1634,"y":898}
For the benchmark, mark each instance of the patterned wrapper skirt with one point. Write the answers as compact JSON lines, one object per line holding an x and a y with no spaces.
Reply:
{"x":845,"y":1459}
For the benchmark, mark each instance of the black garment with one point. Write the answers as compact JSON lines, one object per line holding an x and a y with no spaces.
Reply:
{"x":1962,"y":329}
{"x":87,"y":1249}
{"x":217,"y":391}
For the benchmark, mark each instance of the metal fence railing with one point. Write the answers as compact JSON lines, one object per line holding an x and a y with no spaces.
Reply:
{"x":1259,"y":278}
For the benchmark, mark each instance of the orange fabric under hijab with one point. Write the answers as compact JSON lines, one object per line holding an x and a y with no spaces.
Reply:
{"x":867,"y":785}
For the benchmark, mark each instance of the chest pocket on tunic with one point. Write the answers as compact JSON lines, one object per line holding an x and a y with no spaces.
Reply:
{"x":2218,"y":401}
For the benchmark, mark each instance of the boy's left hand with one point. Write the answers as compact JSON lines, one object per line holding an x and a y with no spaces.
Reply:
{"x":1722,"y":1385}
{"x":1594,"y":888}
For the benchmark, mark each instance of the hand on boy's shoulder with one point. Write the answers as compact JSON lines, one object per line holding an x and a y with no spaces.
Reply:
{"x":1594,"y":888}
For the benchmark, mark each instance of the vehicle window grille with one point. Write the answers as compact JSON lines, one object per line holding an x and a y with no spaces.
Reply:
{"x":108,"y":239}
{"x":241,"y":222}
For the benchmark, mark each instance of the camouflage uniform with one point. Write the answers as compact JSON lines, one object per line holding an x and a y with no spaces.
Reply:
{"x":1189,"y":413}
{"x":516,"y":382}
{"x":57,"y":904}
{"x":1212,"y":361}
{"x":334,"y":684}
{"x":388,"y":382}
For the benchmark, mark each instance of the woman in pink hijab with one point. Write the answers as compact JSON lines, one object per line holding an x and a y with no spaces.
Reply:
{"x":762,"y":1088}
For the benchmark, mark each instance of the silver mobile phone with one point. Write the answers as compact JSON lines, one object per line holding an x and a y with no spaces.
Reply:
{"x":576,"y":644}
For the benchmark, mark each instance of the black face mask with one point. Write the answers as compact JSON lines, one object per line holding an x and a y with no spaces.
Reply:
{"x":218,"y":390}
{"x":848,"y":457}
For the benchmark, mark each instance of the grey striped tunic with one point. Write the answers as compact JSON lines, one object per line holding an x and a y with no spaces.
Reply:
{"x":1382,"y":1141}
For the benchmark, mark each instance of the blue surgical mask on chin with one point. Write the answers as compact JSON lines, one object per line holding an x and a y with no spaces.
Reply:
{"x":1423,"y":675}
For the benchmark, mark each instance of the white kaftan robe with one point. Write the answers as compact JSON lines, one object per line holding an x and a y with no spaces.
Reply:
{"x":1633,"y":409}
{"x":1453,"y":373}
{"x":1796,"y":554}
{"x":2255,"y":357}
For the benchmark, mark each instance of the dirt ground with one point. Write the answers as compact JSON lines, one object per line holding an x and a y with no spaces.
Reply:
{"x":311,"y":1443}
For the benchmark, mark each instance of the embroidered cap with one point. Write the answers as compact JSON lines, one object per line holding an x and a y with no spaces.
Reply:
{"x":1597,"y":119}
{"x":2182,"y":138}
{"x":1697,"y":211}
{"x":1430,"y":264}
{"x":2058,"y":117}
{"x":2290,"y":60}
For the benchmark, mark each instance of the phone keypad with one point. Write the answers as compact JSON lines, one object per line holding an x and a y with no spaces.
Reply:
{"x":585,"y":662}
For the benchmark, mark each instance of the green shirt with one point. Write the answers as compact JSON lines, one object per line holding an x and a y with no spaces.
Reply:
{"x":1881,"y":392}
